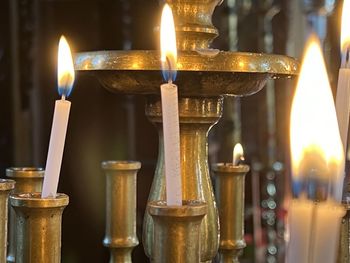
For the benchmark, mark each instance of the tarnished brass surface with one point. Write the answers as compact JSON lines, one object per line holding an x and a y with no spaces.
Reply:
{"x":5,"y":187}
{"x":120,"y":236}
{"x":194,"y":27}
{"x":344,"y":243}
{"x":197,"y":116}
{"x":138,"y":72}
{"x":38,"y":227}
{"x":177,"y":231}
{"x":28,"y":180}
{"x":229,"y":192}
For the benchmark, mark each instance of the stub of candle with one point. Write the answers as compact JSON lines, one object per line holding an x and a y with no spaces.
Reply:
{"x":56,"y":147}
{"x":326,"y":230}
{"x":300,"y":224}
{"x":171,"y":134}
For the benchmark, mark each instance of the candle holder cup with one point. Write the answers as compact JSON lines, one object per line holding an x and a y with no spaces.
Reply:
{"x":38,"y":227}
{"x":28,"y":180}
{"x":177,"y":231}
{"x":120,"y":235}
{"x":5,"y":188}
{"x":229,"y":192}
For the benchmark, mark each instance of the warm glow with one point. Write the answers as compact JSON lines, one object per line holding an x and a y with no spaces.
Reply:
{"x":168,"y":44}
{"x":345,"y":26}
{"x":65,"y":68}
{"x":237,"y":154}
{"x":314,"y":135}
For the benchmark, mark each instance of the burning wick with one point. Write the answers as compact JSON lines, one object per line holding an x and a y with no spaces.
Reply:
{"x":170,"y":79}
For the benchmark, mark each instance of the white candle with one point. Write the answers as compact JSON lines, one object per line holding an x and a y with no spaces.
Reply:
{"x":65,"y":79}
{"x":170,"y":112}
{"x":317,"y":161}
{"x":300,"y":220}
{"x":325,"y":232}
{"x":343,"y":90}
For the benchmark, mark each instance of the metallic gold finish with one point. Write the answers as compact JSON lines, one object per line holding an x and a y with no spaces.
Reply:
{"x":344,"y":244}
{"x":197,"y":116}
{"x":5,"y":187}
{"x":177,"y":231}
{"x":120,"y":235}
{"x":38,"y":227}
{"x":229,"y":192}
{"x":28,"y":180}
{"x":200,"y":73}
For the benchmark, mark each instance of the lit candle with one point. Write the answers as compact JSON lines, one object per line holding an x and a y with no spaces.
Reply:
{"x":65,"y":79}
{"x":317,"y":161}
{"x":343,"y":90}
{"x":170,"y":112}
{"x":237,"y":154}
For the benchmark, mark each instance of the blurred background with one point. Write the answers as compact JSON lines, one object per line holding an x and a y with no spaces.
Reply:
{"x":105,"y":126}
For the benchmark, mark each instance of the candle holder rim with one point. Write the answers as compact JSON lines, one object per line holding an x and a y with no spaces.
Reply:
{"x":230,"y":168}
{"x":229,"y":245}
{"x":34,"y":200}
{"x":188,"y":208}
{"x":7,"y":184}
{"x":222,"y":61}
{"x":25,"y":172}
{"x":120,"y":165}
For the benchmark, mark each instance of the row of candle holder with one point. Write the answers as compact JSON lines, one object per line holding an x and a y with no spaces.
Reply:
{"x":35,"y":222}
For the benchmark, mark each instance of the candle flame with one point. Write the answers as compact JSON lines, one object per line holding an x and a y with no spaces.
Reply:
{"x":345,"y":27}
{"x":316,"y":148}
{"x":65,"y":68}
{"x":168,"y":44}
{"x":238,"y":154}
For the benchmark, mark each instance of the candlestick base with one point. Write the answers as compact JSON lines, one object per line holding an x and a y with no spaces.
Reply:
{"x":5,"y":187}
{"x":177,"y":231}
{"x":120,"y":235}
{"x":28,"y":180}
{"x":38,"y":227}
{"x":229,"y":192}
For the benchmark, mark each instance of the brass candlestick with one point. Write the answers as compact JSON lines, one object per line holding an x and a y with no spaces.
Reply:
{"x":5,"y":187}
{"x":28,"y":180}
{"x":204,"y":75}
{"x":121,"y":235}
{"x":177,"y":231}
{"x":229,"y":192}
{"x":38,"y":227}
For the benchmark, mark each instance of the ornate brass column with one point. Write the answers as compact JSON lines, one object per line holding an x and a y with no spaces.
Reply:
{"x":197,"y":116}
{"x":5,"y":187}
{"x":120,"y":235}
{"x":28,"y":180}
{"x":38,"y":227}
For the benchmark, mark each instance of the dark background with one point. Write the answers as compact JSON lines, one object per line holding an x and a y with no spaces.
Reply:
{"x":105,"y":126}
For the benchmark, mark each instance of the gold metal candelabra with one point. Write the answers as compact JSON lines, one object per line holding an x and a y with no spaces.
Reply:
{"x":204,"y":76}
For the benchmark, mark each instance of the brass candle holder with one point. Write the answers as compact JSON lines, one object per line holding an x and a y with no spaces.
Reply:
{"x":5,"y":187}
{"x":120,"y":235}
{"x":28,"y":180}
{"x":177,"y":231}
{"x":204,"y":76}
{"x":38,"y":227}
{"x":229,"y":192}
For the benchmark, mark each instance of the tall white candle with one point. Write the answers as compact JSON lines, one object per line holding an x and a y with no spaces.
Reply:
{"x":300,"y":222}
{"x":65,"y":78}
{"x":343,"y":90}
{"x":325,"y":232}
{"x":170,"y":112}
{"x":317,"y":161}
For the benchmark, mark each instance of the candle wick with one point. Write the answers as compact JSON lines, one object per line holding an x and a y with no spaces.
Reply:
{"x":170,"y":80}
{"x":63,"y":97}
{"x":347,"y":57}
